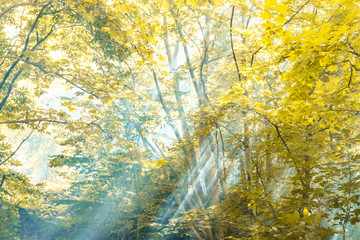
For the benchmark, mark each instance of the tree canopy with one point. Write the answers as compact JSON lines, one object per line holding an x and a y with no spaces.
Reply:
{"x":171,"y":119}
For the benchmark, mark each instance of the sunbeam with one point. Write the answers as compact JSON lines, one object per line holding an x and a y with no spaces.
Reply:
{"x":181,"y":119}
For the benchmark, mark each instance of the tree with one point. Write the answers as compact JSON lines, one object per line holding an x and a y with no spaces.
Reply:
{"x":258,"y":101}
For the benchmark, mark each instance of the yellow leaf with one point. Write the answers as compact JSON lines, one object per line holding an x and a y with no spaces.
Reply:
{"x":296,"y":215}
{"x":281,"y":8}
{"x":269,"y":4}
{"x":161,"y":162}
{"x":306,"y":212}
{"x":71,"y":108}
{"x":332,"y":68}
{"x":106,"y":29}
{"x":165,"y":4}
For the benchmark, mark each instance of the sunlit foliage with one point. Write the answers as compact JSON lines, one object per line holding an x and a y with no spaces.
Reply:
{"x":181,"y":119}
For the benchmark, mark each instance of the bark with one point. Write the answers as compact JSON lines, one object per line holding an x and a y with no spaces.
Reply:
{"x":180,"y":108}
{"x":232,"y":44}
{"x":248,"y":161}
{"x":168,"y":116}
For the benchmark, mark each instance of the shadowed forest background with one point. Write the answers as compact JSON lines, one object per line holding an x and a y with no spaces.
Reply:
{"x":179,"y":119}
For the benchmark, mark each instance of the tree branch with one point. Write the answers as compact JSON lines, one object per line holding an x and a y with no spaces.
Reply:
{"x":20,"y":5}
{"x":253,"y":56}
{"x":33,"y":26}
{"x":33,"y":120}
{"x":21,"y":55}
{"x":47,"y":72}
{"x":9,"y":89}
{"x":280,"y":136}
{"x":21,"y":143}
{"x":2,"y":180}
{"x":232,"y":43}
{"x":296,"y":13}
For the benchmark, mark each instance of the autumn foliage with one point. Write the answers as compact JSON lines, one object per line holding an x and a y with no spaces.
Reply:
{"x":179,"y":119}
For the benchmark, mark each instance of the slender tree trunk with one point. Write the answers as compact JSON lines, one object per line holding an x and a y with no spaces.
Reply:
{"x":248,"y":161}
